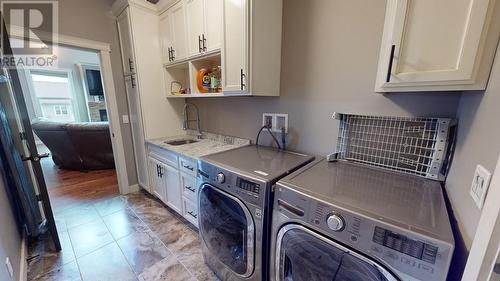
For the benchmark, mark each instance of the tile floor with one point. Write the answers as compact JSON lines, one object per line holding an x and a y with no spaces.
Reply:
{"x":131,"y":237}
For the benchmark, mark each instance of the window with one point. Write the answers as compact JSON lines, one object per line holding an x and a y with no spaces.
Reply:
{"x":61,"y":110}
{"x":53,"y":95}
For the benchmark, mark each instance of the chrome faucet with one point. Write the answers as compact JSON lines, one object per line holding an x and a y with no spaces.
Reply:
{"x":185,"y":123}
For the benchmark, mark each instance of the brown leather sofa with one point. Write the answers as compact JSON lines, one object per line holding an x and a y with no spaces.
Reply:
{"x":77,"y":146}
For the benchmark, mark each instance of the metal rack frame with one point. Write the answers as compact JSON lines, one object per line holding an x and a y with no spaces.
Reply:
{"x":411,"y":145}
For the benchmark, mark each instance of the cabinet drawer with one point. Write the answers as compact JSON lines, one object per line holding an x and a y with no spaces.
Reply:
{"x":187,"y":166}
{"x":190,"y":211}
{"x":163,"y":155}
{"x":189,"y":187}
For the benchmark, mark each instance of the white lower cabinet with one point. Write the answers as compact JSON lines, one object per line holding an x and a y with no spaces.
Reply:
{"x":164,"y":182}
{"x":173,"y":181}
{"x":173,"y":188}
{"x":156,"y":182}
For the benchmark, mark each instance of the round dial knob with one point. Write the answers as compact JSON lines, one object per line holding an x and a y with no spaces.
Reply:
{"x":221,"y":178}
{"x":335,"y":222}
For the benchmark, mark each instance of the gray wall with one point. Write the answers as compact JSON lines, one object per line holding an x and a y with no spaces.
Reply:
{"x":329,"y":63}
{"x":10,"y":239}
{"x":91,"y":19}
{"x":478,"y":143}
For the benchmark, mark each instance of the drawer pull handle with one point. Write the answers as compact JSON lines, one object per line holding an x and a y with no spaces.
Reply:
{"x":190,"y":188}
{"x":188,"y":167}
{"x":193,"y":215}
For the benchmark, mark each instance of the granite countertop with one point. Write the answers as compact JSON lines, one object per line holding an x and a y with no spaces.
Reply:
{"x":208,"y":144}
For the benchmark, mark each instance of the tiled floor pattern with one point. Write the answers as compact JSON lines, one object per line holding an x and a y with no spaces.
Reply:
{"x":131,"y":237}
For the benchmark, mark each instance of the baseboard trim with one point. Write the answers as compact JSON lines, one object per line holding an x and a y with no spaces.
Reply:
{"x":23,"y":267}
{"x":134,"y":188}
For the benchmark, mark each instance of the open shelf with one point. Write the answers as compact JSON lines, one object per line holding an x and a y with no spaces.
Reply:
{"x":185,"y":73}
{"x":208,"y":95}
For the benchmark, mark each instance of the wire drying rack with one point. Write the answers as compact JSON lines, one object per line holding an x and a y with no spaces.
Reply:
{"x":417,"y":146}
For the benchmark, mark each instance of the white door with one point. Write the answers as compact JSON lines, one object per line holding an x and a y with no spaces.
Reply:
{"x":483,"y":263}
{"x":179,"y":43}
{"x":431,"y":42}
{"x":165,"y":36}
{"x":195,"y":25}
{"x":173,"y":187}
{"x":213,"y":25}
{"x":235,"y":52}
{"x":127,"y":49}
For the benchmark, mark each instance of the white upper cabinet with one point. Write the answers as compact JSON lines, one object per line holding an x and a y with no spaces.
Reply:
{"x":435,"y":45}
{"x":179,"y":43}
{"x":204,"y":19}
{"x":195,"y":11}
{"x":213,"y":25}
{"x":173,"y":34}
{"x":235,"y":52}
{"x":166,"y":37}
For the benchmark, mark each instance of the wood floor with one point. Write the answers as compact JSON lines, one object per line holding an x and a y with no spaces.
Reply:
{"x":68,"y":189}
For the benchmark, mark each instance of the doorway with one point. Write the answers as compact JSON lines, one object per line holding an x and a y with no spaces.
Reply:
{"x":67,"y":109}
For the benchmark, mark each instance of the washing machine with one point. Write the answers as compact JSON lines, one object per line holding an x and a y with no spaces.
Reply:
{"x":342,"y":221}
{"x":234,"y":200}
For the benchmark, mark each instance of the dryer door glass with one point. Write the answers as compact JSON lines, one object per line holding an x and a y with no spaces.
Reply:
{"x":226,"y":229}
{"x":306,"y":256}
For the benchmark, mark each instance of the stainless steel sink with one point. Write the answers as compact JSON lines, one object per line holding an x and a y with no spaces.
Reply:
{"x":181,"y":142}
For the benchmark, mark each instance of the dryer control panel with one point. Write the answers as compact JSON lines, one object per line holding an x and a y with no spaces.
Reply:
{"x":409,"y":254}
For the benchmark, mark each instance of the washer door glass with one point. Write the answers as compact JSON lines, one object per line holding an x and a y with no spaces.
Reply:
{"x":303,"y":255}
{"x":226,"y":229}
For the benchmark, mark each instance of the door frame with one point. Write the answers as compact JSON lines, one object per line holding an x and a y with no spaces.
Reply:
{"x":103,"y":50}
{"x":476,"y":262}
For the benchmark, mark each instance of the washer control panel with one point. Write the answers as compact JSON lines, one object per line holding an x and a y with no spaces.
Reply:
{"x":246,"y":189}
{"x":335,"y":222}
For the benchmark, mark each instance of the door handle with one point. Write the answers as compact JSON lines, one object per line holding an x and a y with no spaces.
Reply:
{"x":189,"y":188}
{"x":242,"y":79}
{"x":157,"y":170}
{"x":173,"y":53}
{"x":169,"y":55}
{"x":391,"y":60}
{"x":199,"y":44}
{"x":204,"y":42}
{"x":132,"y":81}
{"x":161,"y":172}
{"x":131,"y":64}
{"x":35,"y":158}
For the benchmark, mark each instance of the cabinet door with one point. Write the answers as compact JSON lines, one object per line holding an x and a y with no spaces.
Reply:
{"x":125,"y":33}
{"x":195,"y":23}
{"x":432,"y":42}
{"x":156,"y":181}
{"x":235,"y":52}
{"x":173,"y":187}
{"x":178,"y":21}
{"x":138,"y":139}
{"x":165,"y":35}
{"x":213,"y":24}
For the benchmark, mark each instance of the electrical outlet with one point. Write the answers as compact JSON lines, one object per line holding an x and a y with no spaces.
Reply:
{"x":267,"y":120}
{"x":281,"y":122}
{"x":125,"y":119}
{"x":275,"y":121}
{"x":9,"y":267}
{"x":479,"y":186}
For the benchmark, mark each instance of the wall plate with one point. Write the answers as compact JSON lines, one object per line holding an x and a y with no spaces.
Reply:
{"x":479,"y":186}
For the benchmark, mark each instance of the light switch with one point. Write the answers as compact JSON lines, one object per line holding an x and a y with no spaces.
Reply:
{"x":479,"y":186}
{"x":125,"y":119}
